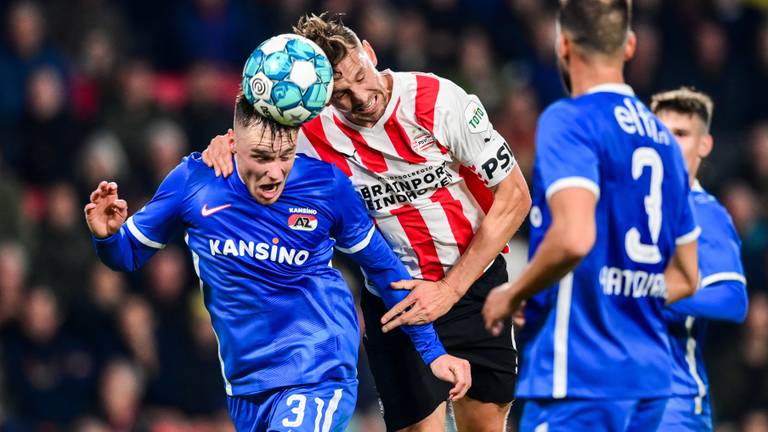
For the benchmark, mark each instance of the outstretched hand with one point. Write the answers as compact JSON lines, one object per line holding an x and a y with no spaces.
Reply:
{"x":455,"y":371}
{"x":426,"y":302}
{"x":218,"y":155}
{"x":106,"y":213}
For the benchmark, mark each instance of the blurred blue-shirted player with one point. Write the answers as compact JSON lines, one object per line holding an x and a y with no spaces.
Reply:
{"x":722,"y":294}
{"x":261,"y":243}
{"x":613,"y":238}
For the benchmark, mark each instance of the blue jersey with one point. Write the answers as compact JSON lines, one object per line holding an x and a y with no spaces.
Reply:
{"x":600,"y":332}
{"x":282,"y":315}
{"x":722,"y":295}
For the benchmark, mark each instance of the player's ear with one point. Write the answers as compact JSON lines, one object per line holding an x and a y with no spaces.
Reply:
{"x":705,"y":146}
{"x":562,"y":46}
{"x":630,"y":46}
{"x":369,"y":52}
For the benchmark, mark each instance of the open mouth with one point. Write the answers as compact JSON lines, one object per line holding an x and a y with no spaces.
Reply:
{"x":269,"y":188}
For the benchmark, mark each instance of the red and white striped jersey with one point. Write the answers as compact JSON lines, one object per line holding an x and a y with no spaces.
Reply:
{"x":424,"y":170}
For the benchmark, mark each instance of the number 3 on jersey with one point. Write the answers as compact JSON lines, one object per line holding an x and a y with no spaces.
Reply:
{"x":637,"y":250}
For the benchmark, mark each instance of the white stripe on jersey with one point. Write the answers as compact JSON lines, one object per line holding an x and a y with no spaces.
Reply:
{"x":724,"y":276}
{"x":140,"y":235}
{"x":562,"y":320}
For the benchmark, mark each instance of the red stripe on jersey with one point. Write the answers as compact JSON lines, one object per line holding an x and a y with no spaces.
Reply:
{"x":400,"y":139}
{"x":371,"y":158}
{"x":314,"y":132}
{"x":477,"y":188}
{"x":421,"y":241}
{"x":426,"y":97}
{"x":454,"y":211}
{"x":479,"y":191}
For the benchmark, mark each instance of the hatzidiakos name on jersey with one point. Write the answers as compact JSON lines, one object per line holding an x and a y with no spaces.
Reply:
{"x":632,"y":283}
{"x":260,"y":251}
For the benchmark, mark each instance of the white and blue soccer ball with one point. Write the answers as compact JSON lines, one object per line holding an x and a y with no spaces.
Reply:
{"x":288,"y":78}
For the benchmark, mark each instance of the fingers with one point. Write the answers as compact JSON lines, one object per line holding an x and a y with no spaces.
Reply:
{"x":463,"y":380}
{"x":404,"y":284}
{"x":399,"y":308}
{"x":89,"y":208}
{"x":207,"y":159}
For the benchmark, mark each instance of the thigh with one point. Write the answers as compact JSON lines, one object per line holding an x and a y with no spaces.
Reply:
{"x":598,"y":415}
{"x":408,"y":390}
{"x":476,"y":416}
{"x":324,"y":407}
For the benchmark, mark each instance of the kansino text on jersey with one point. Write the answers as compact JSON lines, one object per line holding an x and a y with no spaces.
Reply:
{"x":260,"y":251}
{"x":632,"y":283}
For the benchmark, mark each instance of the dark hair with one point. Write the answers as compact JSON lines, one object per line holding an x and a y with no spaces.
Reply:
{"x":247,"y":116}
{"x":596,"y":25}
{"x":329,"y":33}
{"x":685,"y":100}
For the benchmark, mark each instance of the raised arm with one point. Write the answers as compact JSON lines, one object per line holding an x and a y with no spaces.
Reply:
{"x":123,"y":243}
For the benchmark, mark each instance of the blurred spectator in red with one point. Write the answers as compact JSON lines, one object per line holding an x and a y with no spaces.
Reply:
{"x":51,"y":374}
{"x":13,"y":276}
{"x":204,"y":115}
{"x":134,"y":111}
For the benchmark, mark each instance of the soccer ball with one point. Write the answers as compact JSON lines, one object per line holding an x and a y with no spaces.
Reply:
{"x":288,"y":78}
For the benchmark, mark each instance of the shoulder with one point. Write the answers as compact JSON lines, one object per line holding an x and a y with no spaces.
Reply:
{"x":708,"y":208}
{"x":565,"y":116}
{"x":309,"y":168}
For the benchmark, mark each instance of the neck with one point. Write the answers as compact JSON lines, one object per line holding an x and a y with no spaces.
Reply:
{"x":587,"y":74}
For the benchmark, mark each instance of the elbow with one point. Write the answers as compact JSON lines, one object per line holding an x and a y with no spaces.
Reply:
{"x":576,"y":247}
{"x":742,"y":307}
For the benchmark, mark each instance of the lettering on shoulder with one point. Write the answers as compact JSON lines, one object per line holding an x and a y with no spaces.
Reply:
{"x":635,"y":119}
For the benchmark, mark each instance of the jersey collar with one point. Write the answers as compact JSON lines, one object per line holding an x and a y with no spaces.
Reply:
{"x":697,"y":186}
{"x":620,"y":88}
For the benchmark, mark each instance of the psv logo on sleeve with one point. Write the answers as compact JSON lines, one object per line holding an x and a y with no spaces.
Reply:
{"x":302,"y":222}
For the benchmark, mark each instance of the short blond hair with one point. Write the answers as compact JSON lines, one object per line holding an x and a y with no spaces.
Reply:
{"x":684,"y":100}
{"x":329,"y":33}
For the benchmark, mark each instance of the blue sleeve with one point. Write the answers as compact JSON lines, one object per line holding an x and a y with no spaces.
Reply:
{"x":149,"y":229}
{"x":356,"y":236}
{"x":565,"y":155}
{"x":725,"y":300}
{"x":722,"y":293}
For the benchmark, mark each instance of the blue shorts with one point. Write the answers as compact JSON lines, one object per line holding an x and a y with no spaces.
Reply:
{"x":594,"y":415}
{"x":683,"y":414}
{"x":324,"y":407}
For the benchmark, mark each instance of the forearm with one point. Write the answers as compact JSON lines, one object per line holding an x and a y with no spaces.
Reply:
{"x":726,"y":301}
{"x":502,"y":221}
{"x":382,"y":268}
{"x":121,"y":252}
{"x":548,"y":266}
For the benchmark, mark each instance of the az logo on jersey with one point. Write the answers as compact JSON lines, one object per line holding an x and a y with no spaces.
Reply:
{"x":302,"y":222}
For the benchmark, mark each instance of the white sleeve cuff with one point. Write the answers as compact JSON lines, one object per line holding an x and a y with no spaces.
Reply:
{"x":573,"y":182}
{"x":687,"y":238}
{"x":724,"y":276}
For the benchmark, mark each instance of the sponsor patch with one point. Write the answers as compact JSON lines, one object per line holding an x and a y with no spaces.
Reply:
{"x":302,"y":222}
{"x":476,"y":117}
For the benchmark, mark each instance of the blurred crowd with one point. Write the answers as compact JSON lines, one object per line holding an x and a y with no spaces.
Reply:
{"x":122,"y":89}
